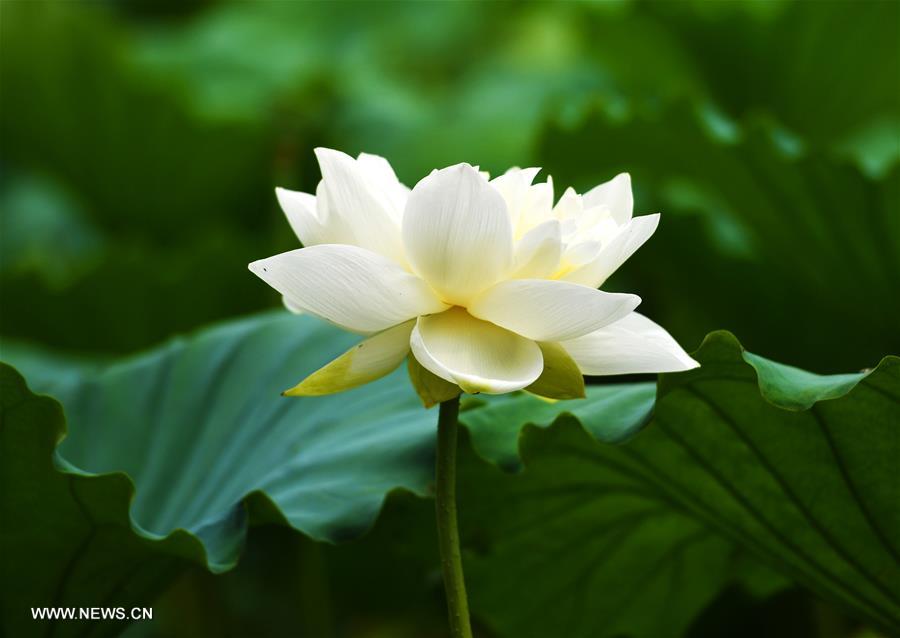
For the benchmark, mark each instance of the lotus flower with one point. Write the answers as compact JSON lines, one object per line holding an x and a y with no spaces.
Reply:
{"x":489,"y":285}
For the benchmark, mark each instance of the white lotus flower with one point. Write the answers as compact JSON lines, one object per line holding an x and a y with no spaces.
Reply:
{"x":491,"y":286}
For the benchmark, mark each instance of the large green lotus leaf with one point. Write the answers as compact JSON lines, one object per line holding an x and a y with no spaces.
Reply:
{"x":199,"y":423}
{"x":66,"y":538}
{"x":167,"y":453}
{"x":743,"y":458}
{"x":199,"y":427}
{"x":612,"y":414}
{"x":648,"y":506}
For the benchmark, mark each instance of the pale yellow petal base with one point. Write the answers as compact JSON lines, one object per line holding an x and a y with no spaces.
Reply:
{"x":367,"y":361}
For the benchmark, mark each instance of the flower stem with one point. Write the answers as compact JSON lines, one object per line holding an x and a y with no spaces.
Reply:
{"x":445,"y":508}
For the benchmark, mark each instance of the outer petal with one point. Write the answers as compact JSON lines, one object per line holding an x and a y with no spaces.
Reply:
{"x":359,"y":198}
{"x":351,"y":287}
{"x":549,"y":310}
{"x":476,"y":355}
{"x":366,"y":361}
{"x":300,"y":210}
{"x":457,"y":233}
{"x":632,"y":345}
{"x":291,"y":307}
{"x":378,"y":167}
{"x":614,"y":195}
{"x":614,"y":254}
{"x":538,"y":252}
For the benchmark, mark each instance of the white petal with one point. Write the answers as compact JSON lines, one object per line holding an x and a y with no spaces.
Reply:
{"x":457,"y":233}
{"x":514,"y":185}
{"x":359,"y":201}
{"x":632,"y":345}
{"x":476,"y":355}
{"x":538,"y":252}
{"x":582,"y":252}
{"x":380,"y":169}
{"x":615,"y":195}
{"x":538,"y":206}
{"x":569,"y":205}
{"x":549,"y":310}
{"x":516,"y":177}
{"x":334,"y":228}
{"x":300,"y":210}
{"x":349,"y":286}
{"x":614,"y":254}
{"x":291,"y":307}
{"x":367,"y":361}
{"x":569,"y":227}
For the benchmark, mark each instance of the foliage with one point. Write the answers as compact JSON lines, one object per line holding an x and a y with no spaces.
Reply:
{"x":141,"y":143}
{"x":735,"y":461}
{"x":174,"y":453}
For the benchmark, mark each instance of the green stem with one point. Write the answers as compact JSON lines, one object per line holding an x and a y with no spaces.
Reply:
{"x":448,"y":533}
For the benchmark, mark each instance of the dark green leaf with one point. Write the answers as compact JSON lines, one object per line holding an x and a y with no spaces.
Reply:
{"x":731,"y":469}
{"x":743,"y":458}
{"x":173,"y":453}
{"x":200,"y":428}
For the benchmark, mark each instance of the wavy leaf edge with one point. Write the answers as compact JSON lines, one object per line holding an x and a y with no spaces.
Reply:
{"x":259,"y":508}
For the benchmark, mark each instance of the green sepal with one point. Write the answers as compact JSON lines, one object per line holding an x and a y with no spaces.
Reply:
{"x":561,"y":378}
{"x":431,"y":388}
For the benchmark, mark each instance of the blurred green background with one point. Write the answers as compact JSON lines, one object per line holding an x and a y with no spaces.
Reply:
{"x":141,"y":142}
